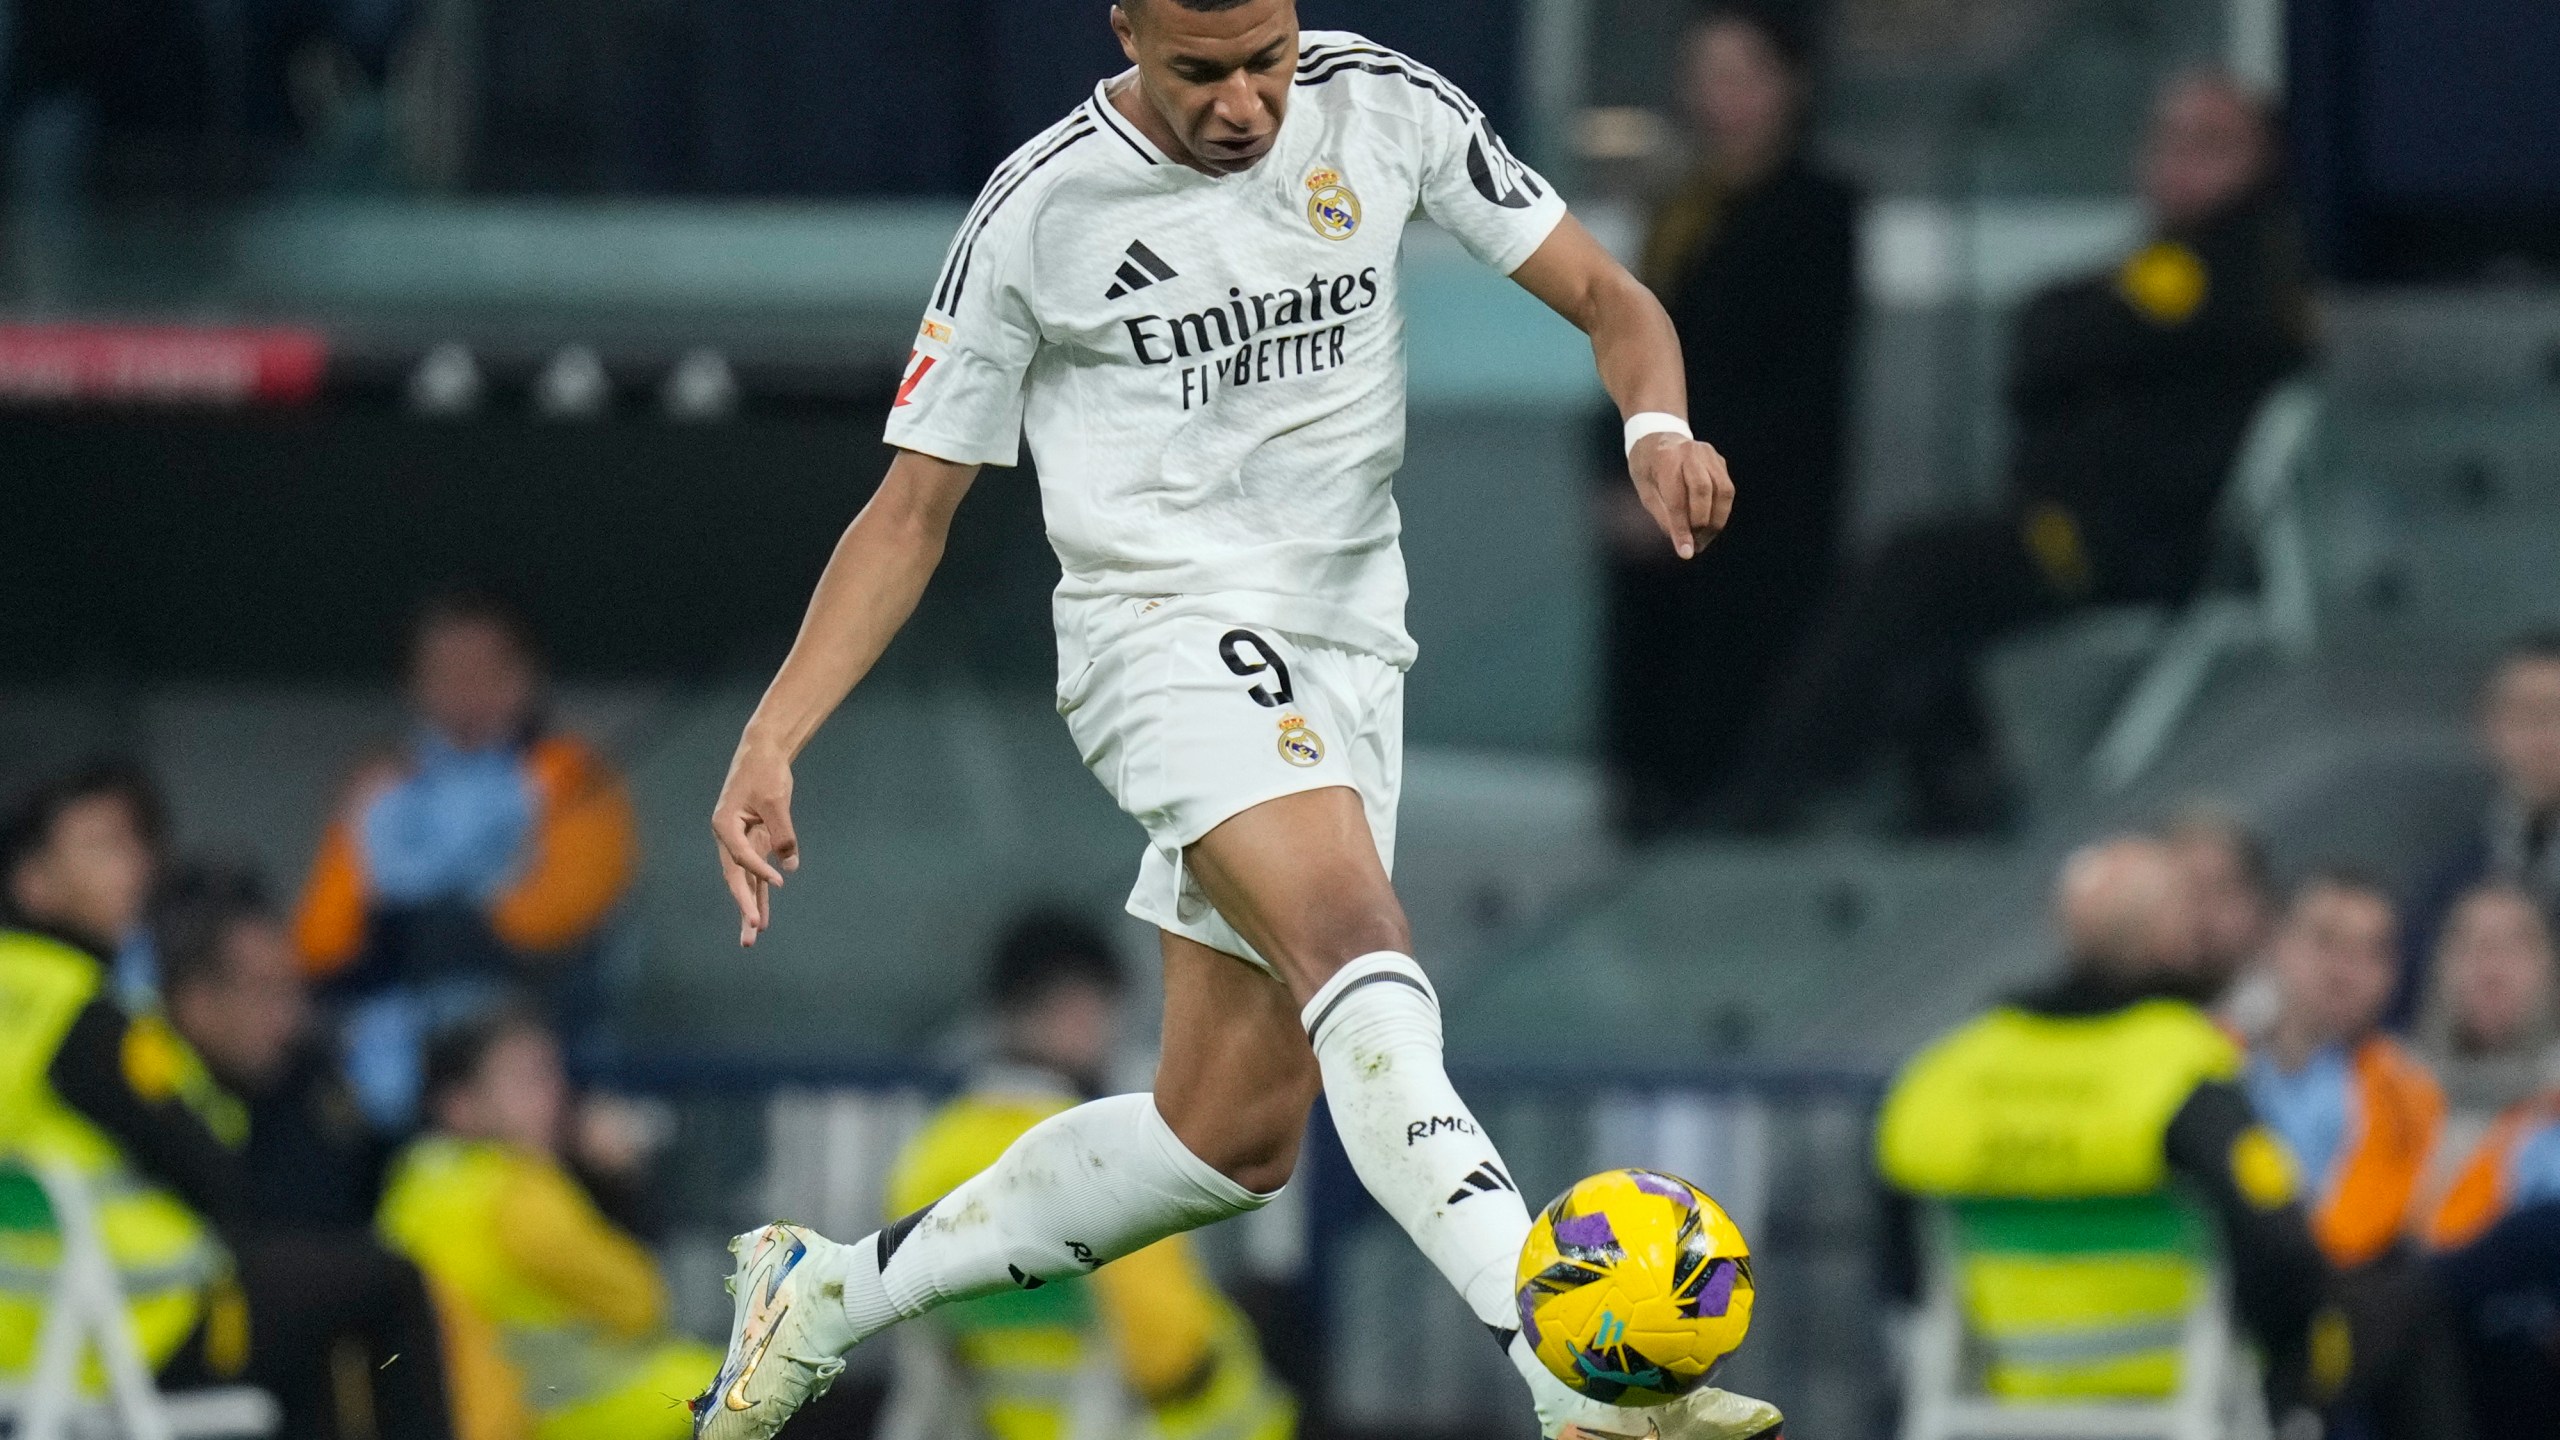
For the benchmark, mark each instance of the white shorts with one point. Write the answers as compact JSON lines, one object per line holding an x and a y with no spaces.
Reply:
{"x":1190,"y":720}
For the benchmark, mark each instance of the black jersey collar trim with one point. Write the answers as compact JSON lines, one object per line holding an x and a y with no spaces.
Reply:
{"x":1130,"y":135}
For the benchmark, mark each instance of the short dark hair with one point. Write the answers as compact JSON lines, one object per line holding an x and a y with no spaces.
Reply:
{"x":1787,"y":28}
{"x":2534,"y":647}
{"x":474,"y":605}
{"x":1045,"y":950}
{"x":29,"y":825}
{"x":458,"y":1053}
{"x":193,"y":916}
{"x":2246,"y":844}
{"x":1201,"y":7}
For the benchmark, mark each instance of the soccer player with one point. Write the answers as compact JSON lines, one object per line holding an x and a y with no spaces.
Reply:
{"x":1186,"y":291}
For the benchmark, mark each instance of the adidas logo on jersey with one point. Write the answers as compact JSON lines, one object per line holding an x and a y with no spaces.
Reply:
{"x":1143,"y":268}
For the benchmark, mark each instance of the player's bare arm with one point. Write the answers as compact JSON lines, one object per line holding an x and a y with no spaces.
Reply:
{"x":870,"y":587}
{"x":1683,"y":483}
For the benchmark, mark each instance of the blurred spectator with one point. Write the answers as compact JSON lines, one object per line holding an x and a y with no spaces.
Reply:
{"x":217,"y":1294}
{"x":2112,"y":1082}
{"x":2498,"y":1226}
{"x":558,"y":1319}
{"x":1755,"y":257}
{"x":486,"y":859}
{"x":2233,"y":884}
{"x":136,"y":967}
{"x":2491,"y":1025}
{"x":233,"y":988}
{"x":2360,"y":1114}
{"x":1188,"y":1363}
{"x":2504,"y":1287}
{"x":2520,"y":729}
{"x":2130,"y":392}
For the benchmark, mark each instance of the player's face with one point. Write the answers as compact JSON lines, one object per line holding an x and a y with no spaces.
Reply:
{"x":1219,"y":80}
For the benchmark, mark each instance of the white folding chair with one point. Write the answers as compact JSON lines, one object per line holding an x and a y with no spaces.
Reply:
{"x":2219,"y":1395}
{"x":85,"y":1309}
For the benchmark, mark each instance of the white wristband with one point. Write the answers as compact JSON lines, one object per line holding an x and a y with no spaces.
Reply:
{"x":1643,"y":427}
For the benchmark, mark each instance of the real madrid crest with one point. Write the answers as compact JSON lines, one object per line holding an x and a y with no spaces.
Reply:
{"x":1299,"y":745}
{"x":1331,"y":207}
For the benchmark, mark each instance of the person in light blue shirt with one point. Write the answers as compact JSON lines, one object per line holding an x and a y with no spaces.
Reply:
{"x":2359,"y":1112}
{"x":483,"y":864}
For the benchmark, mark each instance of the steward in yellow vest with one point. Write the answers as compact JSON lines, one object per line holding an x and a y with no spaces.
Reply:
{"x":121,"y":1102}
{"x":558,"y":1323}
{"x":2108,"y":1104}
{"x":126,"y":1106}
{"x":1144,"y":1345}
{"x":217,"y":1294}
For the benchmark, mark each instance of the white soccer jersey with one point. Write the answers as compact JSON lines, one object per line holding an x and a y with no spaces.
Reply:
{"x":1211,"y":370}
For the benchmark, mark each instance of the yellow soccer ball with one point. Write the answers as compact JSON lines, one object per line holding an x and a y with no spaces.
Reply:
{"x":1634,"y":1287}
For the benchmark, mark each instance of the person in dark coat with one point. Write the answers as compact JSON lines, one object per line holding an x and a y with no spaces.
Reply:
{"x":1755,"y":257}
{"x":233,"y":987}
{"x":2131,"y":391}
{"x":2518,"y":841}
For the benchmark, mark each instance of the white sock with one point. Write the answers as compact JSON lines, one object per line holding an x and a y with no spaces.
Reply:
{"x":1416,"y":1146}
{"x":1077,"y":1191}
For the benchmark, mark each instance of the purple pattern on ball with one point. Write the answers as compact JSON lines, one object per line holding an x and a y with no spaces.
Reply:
{"x":1586,"y":1232}
{"x":1716,"y":1296}
{"x":1662,"y":1185}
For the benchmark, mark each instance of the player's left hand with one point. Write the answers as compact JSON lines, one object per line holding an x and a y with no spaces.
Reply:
{"x":1685,"y":488}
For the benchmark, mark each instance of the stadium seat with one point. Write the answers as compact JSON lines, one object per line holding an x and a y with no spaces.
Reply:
{"x":1987,"y":1360}
{"x":2099,"y":695}
{"x":86,"y":1312}
{"x":2055,"y":688}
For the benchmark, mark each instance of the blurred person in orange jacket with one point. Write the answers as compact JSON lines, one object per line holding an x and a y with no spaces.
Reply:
{"x":2498,"y":1264}
{"x":2497,"y":1228}
{"x":2490,"y":1026}
{"x":2358,"y":1111}
{"x":485,"y":859}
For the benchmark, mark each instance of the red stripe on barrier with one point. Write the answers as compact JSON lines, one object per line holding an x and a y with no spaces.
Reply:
{"x":159,"y":365}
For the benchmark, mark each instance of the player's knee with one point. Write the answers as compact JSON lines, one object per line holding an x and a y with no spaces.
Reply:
{"x":1256,"y":1143}
{"x":1266,"y":1166}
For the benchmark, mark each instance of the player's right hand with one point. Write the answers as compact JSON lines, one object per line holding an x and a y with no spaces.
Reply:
{"x":752,"y":823}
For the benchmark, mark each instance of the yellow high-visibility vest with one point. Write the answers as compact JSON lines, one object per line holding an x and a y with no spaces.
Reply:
{"x":164,"y":1252}
{"x":1028,"y":1355}
{"x":441,"y":1208}
{"x":2047,"y":1138}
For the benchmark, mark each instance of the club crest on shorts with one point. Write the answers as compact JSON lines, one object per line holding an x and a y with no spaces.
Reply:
{"x":1299,"y":745}
{"x":1332,"y":208}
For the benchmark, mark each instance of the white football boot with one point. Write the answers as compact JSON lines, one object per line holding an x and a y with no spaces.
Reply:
{"x":1702,"y":1414}
{"x":785,"y":1340}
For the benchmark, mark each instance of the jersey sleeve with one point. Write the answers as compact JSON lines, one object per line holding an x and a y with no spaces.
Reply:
{"x":1475,"y":188}
{"x":960,"y":397}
